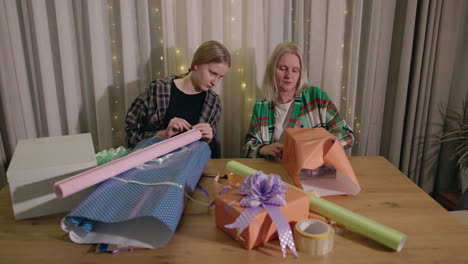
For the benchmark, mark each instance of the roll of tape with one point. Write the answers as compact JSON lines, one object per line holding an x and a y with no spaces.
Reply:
{"x":313,"y":237}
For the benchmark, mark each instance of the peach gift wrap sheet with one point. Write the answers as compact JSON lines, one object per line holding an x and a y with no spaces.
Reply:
{"x":310,"y":149}
{"x":88,"y":178}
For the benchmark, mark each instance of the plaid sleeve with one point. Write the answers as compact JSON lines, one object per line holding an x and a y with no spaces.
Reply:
{"x":334,"y":122}
{"x":211,"y":112}
{"x":146,"y":114}
{"x":253,"y":140}
{"x":136,"y":119}
{"x":337,"y":126}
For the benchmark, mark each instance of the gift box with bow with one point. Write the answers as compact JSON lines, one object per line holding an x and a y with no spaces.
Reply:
{"x":261,"y":210}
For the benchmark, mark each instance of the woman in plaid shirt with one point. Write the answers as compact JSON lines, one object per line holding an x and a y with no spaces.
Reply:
{"x":290,"y":103}
{"x":178,"y":103}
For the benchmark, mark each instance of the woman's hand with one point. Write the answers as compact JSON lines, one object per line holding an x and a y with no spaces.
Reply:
{"x":274,"y":150}
{"x":176,"y":125}
{"x":206,"y":130}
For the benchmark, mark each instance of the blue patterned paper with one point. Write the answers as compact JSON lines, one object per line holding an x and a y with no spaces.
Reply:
{"x":114,"y":201}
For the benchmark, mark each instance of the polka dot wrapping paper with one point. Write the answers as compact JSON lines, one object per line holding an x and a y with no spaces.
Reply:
{"x":124,"y":213}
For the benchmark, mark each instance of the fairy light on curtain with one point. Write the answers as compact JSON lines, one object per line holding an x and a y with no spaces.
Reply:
{"x":181,"y":61}
{"x":240,"y":57}
{"x":157,"y":60}
{"x":346,"y":103}
{"x":116,"y":47}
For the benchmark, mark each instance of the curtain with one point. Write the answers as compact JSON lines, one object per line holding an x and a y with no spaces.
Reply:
{"x":2,"y":167}
{"x":76,"y":66}
{"x":427,"y":86}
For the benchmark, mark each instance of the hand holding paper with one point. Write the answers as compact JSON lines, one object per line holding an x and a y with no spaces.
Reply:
{"x":96,"y":175}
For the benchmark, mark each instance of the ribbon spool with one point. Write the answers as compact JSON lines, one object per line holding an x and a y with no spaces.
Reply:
{"x":313,"y":237}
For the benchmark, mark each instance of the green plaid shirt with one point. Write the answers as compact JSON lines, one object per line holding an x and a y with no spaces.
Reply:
{"x":312,"y":108}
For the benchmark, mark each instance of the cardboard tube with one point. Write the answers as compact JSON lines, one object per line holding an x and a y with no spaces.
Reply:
{"x":96,"y":175}
{"x":352,"y":221}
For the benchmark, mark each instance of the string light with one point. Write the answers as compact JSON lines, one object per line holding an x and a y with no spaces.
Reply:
{"x":162,"y":58}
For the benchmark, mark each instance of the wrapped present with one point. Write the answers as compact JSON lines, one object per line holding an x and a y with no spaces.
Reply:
{"x":255,"y":215}
{"x":315,"y":160}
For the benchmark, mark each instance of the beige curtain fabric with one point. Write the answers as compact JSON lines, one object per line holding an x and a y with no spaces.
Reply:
{"x":451,"y":83}
{"x":372,"y":68}
{"x":431,"y":90}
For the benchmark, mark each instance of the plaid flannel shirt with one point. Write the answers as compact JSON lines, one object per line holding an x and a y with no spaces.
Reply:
{"x":147,"y":113}
{"x":312,"y":108}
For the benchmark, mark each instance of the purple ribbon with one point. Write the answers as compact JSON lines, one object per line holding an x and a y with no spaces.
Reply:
{"x":265,"y":193}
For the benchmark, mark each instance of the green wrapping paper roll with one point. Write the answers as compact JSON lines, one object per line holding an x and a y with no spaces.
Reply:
{"x":352,"y":221}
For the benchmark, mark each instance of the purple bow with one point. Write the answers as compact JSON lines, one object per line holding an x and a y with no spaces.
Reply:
{"x":265,"y":193}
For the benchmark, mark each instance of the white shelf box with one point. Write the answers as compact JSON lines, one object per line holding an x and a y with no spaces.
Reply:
{"x":38,"y":163}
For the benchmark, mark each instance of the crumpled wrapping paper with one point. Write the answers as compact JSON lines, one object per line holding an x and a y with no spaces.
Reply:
{"x":317,"y":149}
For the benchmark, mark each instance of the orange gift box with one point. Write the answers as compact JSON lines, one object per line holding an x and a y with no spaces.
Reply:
{"x":261,"y":229}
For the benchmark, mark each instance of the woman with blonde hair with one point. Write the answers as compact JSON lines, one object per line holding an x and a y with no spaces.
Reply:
{"x":290,"y":103}
{"x":175,"y":104}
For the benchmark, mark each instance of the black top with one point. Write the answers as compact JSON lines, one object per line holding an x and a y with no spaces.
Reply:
{"x":185,"y":106}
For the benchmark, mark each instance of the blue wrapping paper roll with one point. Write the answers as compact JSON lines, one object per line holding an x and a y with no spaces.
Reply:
{"x":130,"y":214}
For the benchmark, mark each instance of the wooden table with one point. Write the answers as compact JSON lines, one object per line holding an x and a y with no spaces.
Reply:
{"x":387,"y":196}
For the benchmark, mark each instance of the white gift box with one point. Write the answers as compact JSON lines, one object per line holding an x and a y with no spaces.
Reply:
{"x":38,"y":163}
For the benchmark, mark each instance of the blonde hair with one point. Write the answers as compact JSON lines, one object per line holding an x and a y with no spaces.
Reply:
{"x":269,"y":84}
{"x":211,"y":52}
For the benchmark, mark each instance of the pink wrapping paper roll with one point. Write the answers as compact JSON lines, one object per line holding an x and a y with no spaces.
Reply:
{"x":96,"y":175}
